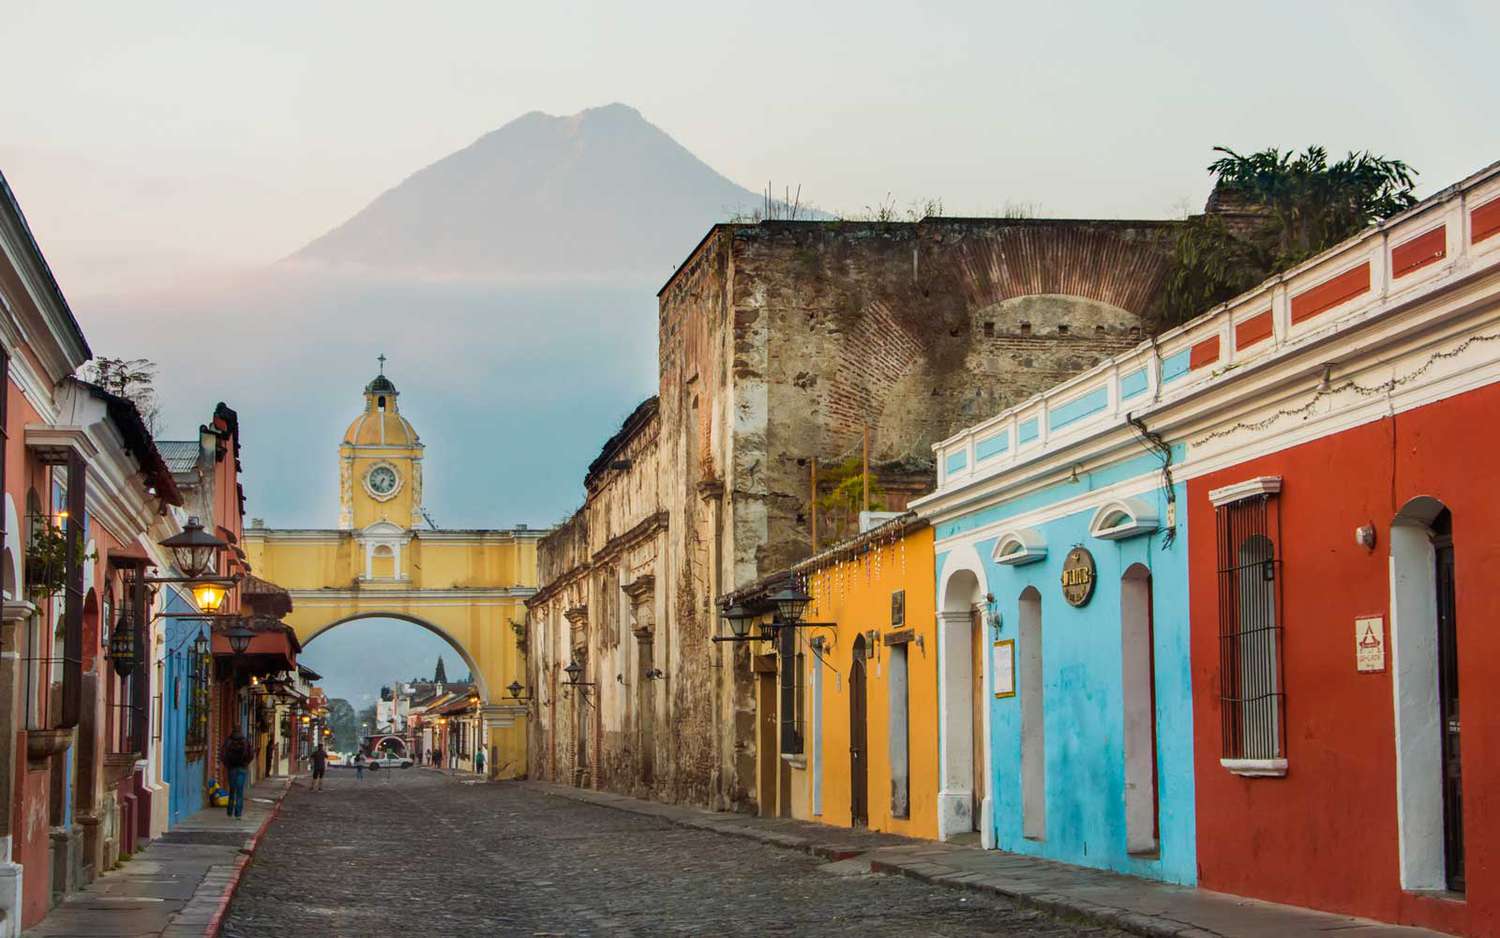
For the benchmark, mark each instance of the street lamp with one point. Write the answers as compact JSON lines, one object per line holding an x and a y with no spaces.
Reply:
{"x":195,"y":551}
{"x":239,"y":639}
{"x":210,"y":596}
{"x":791,"y":603}
{"x":122,"y":645}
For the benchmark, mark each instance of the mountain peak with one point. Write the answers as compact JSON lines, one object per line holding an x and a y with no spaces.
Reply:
{"x":600,"y":193}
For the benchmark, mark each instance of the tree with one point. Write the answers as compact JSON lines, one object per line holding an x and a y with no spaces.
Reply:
{"x":343,"y":724}
{"x":131,"y":378}
{"x":1294,"y":206}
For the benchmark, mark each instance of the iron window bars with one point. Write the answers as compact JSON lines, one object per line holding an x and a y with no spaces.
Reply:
{"x":1252,"y":697}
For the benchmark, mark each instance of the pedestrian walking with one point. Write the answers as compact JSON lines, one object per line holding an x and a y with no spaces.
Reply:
{"x":359,"y":767}
{"x":479,"y":761}
{"x":238,"y":753}
{"x":319,"y":766}
{"x":437,"y":758}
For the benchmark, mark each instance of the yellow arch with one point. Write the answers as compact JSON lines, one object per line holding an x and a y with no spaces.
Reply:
{"x":468,"y":587}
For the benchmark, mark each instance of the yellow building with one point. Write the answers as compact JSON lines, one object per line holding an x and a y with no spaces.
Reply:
{"x":853,"y":741}
{"x":468,"y":586}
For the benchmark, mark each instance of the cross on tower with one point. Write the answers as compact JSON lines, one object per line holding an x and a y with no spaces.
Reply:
{"x":381,"y":359}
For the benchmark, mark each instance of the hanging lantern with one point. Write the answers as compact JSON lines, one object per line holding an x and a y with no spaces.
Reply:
{"x":195,"y":551}
{"x":122,"y":645}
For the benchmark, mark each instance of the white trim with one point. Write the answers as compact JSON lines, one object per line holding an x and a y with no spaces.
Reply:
{"x":1033,"y":547}
{"x":1256,"y":768}
{"x":1260,"y":485}
{"x":1140,"y":519}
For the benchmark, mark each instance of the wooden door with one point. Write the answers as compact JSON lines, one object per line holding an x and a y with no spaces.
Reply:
{"x":859,"y":770}
{"x":769,"y":747}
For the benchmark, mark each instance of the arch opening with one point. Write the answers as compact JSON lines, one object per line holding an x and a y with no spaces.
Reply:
{"x":476,"y":674}
{"x":962,"y":712}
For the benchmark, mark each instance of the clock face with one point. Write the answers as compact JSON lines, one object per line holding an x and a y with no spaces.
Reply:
{"x":382,"y":480}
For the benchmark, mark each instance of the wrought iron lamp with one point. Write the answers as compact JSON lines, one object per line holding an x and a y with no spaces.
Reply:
{"x":791,"y":604}
{"x":239,"y":639}
{"x":122,"y":645}
{"x":195,"y":551}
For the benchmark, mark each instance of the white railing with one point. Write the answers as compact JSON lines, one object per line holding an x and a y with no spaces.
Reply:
{"x":1456,"y":230}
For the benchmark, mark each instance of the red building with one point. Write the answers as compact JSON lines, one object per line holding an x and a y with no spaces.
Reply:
{"x":1337,"y":432}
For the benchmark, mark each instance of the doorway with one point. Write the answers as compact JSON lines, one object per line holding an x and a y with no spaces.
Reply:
{"x":859,"y":770}
{"x":1448,"y":717}
{"x":1425,"y":667}
{"x":769,"y":749}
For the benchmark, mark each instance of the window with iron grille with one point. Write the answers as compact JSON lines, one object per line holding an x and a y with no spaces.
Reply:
{"x":1251,"y":694}
{"x":790,"y":667}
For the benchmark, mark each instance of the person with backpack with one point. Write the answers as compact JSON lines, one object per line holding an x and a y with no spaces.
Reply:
{"x":359,"y":767}
{"x":319,"y":766}
{"x":238,"y":753}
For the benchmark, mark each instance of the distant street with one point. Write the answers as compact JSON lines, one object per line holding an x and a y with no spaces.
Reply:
{"x":415,"y":852}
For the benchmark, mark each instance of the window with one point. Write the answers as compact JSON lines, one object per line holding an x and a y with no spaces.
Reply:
{"x":899,"y":705}
{"x":1251,"y":695}
{"x":791,"y":692}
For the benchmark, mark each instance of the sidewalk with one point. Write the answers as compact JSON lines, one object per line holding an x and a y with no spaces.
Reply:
{"x":179,"y":885}
{"x":1139,"y":906}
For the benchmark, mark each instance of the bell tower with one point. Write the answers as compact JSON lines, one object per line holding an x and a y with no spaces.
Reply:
{"x":380,"y":463}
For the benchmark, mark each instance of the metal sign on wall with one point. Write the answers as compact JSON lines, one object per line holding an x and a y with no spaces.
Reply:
{"x":1078,"y":577}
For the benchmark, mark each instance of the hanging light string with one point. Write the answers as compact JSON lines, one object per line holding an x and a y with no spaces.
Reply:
{"x":1328,"y":389}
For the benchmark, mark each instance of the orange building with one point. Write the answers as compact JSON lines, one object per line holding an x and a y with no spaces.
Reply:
{"x":847,"y":699}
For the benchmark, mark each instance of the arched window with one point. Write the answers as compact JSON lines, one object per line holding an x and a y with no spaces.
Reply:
{"x":1033,"y":718}
{"x":1138,"y":685}
{"x":383,"y":562}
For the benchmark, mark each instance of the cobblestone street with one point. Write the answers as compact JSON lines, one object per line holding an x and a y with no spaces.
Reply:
{"x":415,"y":852}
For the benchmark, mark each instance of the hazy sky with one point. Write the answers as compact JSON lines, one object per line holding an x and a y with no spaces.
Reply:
{"x":158,"y":147}
{"x":150,"y":139}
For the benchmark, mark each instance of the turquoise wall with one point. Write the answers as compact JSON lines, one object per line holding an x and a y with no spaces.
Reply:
{"x":1083,"y":710}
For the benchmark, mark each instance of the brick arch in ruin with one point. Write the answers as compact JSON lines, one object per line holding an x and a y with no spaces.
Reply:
{"x":1043,"y":300}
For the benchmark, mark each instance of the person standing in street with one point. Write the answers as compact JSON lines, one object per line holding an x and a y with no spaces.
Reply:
{"x":319,"y":766}
{"x":479,"y":761}
{"x":359,"y":767}
{"x":237,"y":754}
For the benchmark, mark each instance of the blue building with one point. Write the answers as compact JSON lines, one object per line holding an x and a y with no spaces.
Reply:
{"x":185,"y":708}
{"x":1064,"y":668}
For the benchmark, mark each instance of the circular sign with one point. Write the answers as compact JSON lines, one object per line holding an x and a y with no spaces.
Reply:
{"x":1078,"y":577}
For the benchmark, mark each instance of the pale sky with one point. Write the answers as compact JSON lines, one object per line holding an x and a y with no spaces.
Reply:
{"x":148,"y":140}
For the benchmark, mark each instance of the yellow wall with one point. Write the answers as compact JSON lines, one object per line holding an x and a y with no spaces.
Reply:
{"x":856,"y":594}
{"x":467,"y":587}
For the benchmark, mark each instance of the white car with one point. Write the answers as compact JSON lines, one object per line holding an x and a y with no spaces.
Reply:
{"x":387,"y":761}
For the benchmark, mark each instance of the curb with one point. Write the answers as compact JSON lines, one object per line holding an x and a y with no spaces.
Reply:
{"x":1058,"y":906}
{"x":247,"y":853}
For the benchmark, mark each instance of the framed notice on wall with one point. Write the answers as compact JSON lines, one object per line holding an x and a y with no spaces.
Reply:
{"x":1004,"y":668}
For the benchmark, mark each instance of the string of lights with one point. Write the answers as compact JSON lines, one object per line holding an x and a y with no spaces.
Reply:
{"x":1328,"y":389}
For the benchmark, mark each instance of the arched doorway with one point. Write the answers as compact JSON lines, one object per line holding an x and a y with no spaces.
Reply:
{"x":962,"y":710}
{"x":1425,"y":659}
{"x":859,"y":741}
{"x":463,"y":653}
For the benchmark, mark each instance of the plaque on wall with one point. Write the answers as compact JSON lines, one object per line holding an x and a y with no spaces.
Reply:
{"x":1004,"y":671}
{"x":898,"y":608}
{"x":1078,"y":577}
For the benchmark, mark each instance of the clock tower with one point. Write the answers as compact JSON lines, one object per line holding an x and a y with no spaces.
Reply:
{"x":380,"y":464}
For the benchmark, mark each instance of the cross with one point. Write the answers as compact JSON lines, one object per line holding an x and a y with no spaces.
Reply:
{"x":381,"y":359}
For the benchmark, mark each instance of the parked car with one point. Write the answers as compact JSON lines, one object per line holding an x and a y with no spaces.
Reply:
{"x":387,"y":761}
